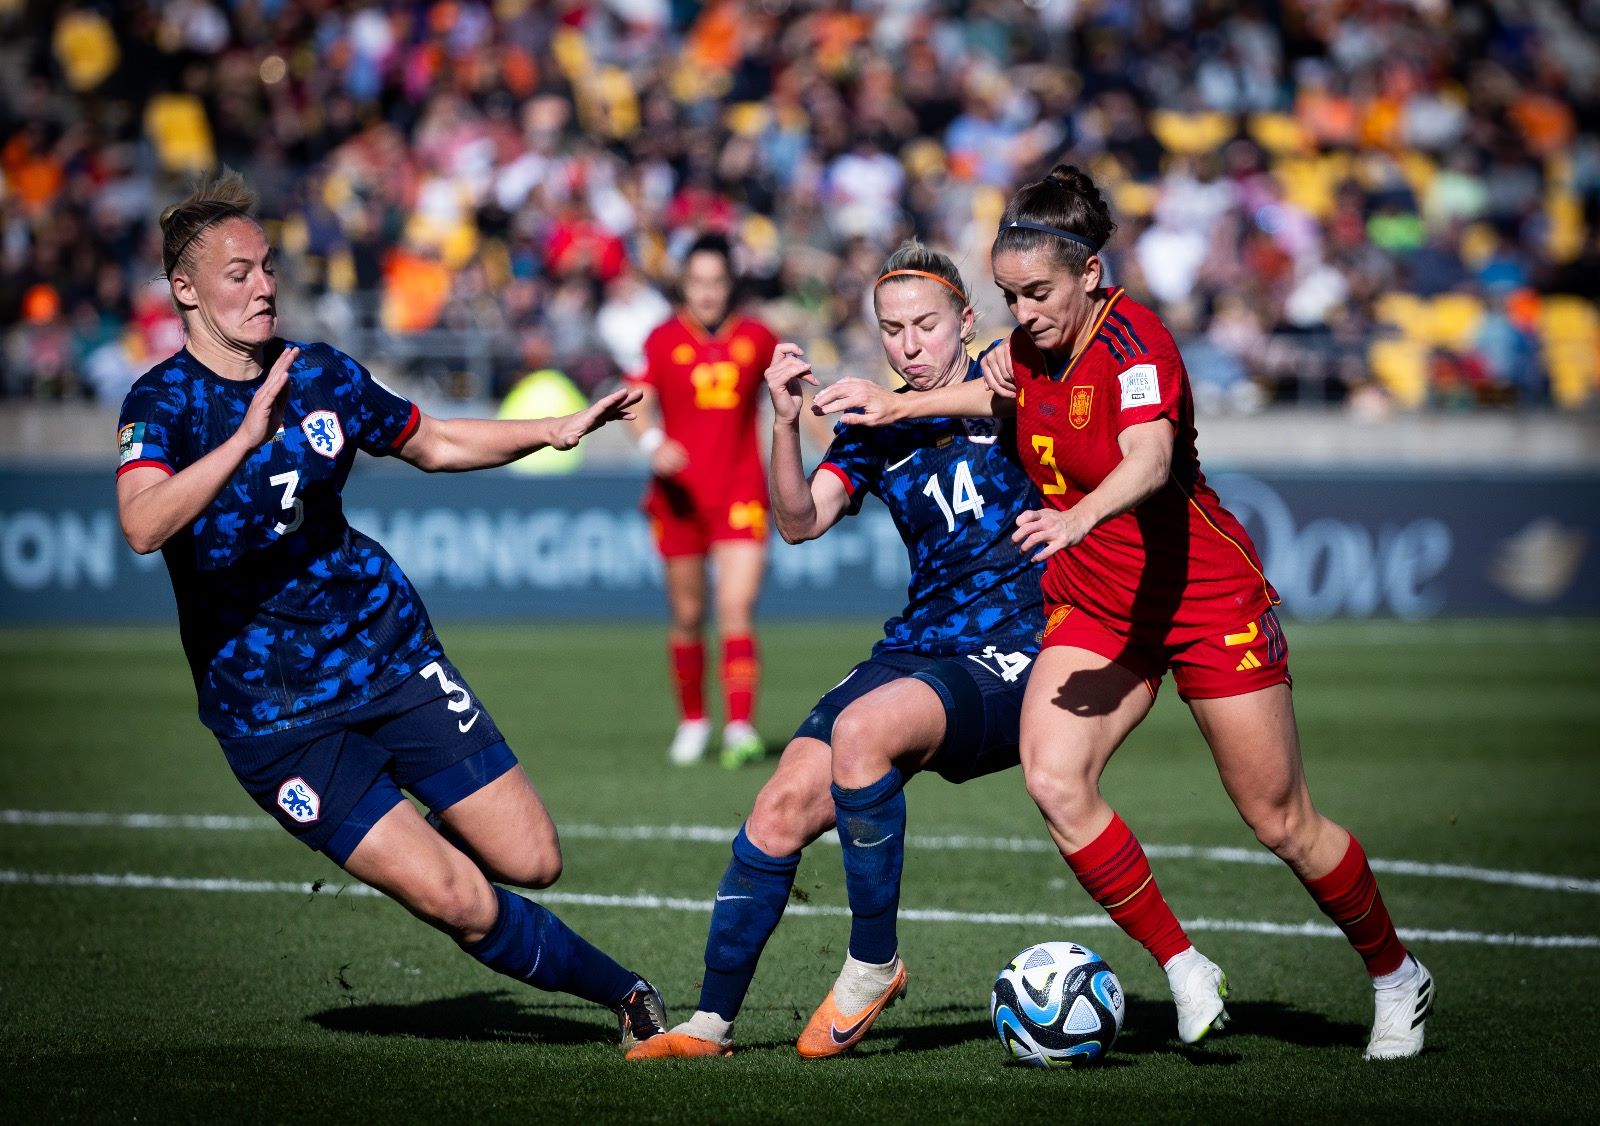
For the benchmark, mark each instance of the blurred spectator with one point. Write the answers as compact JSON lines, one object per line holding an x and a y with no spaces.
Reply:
{"x":1299,"y":184}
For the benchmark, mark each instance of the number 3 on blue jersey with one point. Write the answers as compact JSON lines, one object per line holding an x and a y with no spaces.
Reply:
{"x":290,"y":482}
{"x":965,"y":494}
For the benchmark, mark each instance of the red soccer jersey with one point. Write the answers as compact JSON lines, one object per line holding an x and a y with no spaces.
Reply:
{"x":1179,"y":566}
{"x":708,"y":388}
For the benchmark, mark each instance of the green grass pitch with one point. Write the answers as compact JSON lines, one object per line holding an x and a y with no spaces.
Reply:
{"x":1459,"y":743}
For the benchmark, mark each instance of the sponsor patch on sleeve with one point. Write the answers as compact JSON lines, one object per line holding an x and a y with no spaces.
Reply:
{"x":130,"y":443}
{"x":1140,"y":387}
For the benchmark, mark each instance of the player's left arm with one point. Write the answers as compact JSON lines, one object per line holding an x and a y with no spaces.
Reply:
{"x":453,"y":445}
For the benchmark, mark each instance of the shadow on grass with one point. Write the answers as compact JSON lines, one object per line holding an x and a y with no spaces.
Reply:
{"x":1147,"y":1030}
{"x":1148,"y":1027}
{"x":492,"y":1017}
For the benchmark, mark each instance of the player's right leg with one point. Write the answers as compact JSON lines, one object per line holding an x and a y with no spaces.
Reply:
{"x":1080,"y":706}
{"x":402,"y":856}
{"x":792,"y":810}
{"x":685,"y":577}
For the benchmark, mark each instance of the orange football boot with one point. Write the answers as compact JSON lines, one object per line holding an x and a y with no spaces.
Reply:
{"x":678,"y":1046}
{"x":830,"y":1032}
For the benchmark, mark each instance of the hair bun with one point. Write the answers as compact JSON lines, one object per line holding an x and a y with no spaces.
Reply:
{"x":1072,"y":178}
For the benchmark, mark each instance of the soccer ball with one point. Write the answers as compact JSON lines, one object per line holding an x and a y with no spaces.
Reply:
{"x":1057,"y":1004}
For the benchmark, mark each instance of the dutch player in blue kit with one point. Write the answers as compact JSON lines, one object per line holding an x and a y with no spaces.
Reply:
{"x":313,"y":658}
{"x":942,"y":691}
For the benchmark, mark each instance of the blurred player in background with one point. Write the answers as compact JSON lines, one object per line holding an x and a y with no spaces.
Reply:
{"x":708,"y":496}
{"x":1147,"y":572}
{"x":313,"y":658}
{"x":942,"y":691}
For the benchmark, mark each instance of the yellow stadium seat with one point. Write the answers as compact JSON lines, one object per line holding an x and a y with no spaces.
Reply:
{"x":1190,"y":133}
{"x":747,"y":119}
{"x":1401,"y":365}
{"x":1418,"y":169}
{"x":1477,"y":244}
{"x":177,"y":126}
{"x":1564,"y":240}
{"x":1404,"y":311}
{"x":1569,"y":331}
{"x":1308,"y":183}
{"x":1279,"y":133}
{"x":1454,"y":320}
{"x":1135,"y":199}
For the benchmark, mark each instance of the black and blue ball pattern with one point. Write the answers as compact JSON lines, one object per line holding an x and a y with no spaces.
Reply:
{"x":1057,"y":1004}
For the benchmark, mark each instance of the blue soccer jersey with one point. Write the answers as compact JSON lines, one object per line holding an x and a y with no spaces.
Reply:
{"x":287,"y":613}
{"x":954,"y":488}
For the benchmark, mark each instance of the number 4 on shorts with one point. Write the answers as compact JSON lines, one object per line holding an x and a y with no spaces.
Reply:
{"x":1007,"y":666}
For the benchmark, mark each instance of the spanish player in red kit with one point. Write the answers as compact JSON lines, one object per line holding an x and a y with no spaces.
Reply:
{"x":708,"y":494}
{"x":1147,"y":573}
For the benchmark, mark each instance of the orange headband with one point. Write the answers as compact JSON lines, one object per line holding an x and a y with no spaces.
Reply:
{"x":922,"y":274}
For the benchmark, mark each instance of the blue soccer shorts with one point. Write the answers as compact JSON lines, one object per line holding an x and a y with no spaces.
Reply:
{"x":982,"y":694}
{"x":328,"y":782}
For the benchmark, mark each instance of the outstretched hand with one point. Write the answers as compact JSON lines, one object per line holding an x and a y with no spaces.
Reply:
{"x":863,"y":402}
{"x":789,"y":369}
{"x":569,"y":430}
{"x":265,"y":413}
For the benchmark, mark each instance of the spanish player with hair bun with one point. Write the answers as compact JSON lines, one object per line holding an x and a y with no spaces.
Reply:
{"x":1147,"y":573}
{"x":313,"y":657}
{"x":707,"y":500}
{"x":941,"y":692}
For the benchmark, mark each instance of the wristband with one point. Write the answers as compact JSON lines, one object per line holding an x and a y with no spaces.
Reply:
{"x":650,"y":441}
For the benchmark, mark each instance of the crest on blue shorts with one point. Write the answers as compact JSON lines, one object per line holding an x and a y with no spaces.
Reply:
{"x":299,"y":801}
{"x":323,"y":433}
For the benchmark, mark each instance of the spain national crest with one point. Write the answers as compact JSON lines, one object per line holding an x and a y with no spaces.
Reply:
{"x":1079,"y":404}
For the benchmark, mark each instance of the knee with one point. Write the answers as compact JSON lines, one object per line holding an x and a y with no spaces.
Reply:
{"x":539,"y":868}
{"x":787,"y":818}
{"x":1065,"y":797}
{"x":459,"y":902}
{"x":858,"y":758}
{"x":1282,"y":828}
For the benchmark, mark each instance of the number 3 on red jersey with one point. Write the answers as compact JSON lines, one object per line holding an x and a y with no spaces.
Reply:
{"x":1045,"y":447}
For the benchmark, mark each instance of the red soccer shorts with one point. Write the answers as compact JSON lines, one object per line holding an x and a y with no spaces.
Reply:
{"x":1248,"y":659}
{"x":685,"y":525}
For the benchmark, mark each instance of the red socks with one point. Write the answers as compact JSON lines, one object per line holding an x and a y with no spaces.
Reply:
{"x":741,"y":672}
{"x":1113,"y":869}
{"x":1349,"y":896}
{"x":688,"y":677}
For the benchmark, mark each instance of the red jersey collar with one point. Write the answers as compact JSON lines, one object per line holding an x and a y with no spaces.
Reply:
{"x":1113,"y":295}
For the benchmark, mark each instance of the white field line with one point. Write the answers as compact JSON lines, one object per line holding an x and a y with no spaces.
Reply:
{"x":723,"y":835}
{"x":641,"y":902}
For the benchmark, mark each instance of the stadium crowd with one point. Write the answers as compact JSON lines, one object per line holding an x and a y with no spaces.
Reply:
{"x":1374,"y":202}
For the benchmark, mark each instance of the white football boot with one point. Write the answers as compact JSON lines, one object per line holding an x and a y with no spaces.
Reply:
{"x":1400,"y":1007}
{"x":689,"y":744}
{"x":1198,"y":987}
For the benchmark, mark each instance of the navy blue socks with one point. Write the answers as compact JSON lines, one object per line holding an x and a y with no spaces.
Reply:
{"x":529,"y":943}
{"x":750,"y":901}
{"x":872,"y":833}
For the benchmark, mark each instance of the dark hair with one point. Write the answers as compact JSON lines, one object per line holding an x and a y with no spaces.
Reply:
{"x":1066,"y":199}
{"x":712,"y":243}
{"x":912,"y":255}
{"x":214,"y":198}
